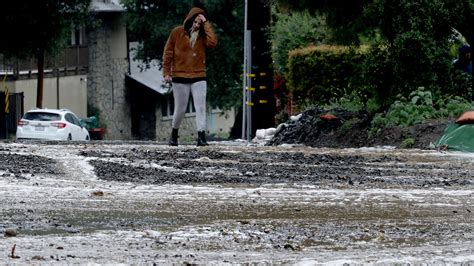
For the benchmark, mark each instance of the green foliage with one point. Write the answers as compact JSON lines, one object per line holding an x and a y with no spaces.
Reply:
{"x":452,"y":106}
{"x":407,"y":112}
{"x":150,"y":22}
{"x":355,"y":19}
{"x":346,"y":17}
{"x":347,"y":125}
{"x":412,"y":43}
{"x":354,"y":102}
{"x":407,"y":143}
{"x":93,"y":111}
{"x":376,"y":77}
{"x":417,"y":35}
{"x":340,"y":76}
{"x":39,"y":25}
{"x":420,"y":107}
{"x":294,"y":30}
{"x":322,"y":74}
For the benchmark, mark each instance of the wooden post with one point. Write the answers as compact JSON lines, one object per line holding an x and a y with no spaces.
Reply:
{"x":39,"y":90}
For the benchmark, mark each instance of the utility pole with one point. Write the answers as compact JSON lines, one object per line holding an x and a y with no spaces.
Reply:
{"x":247,"y":81}
{"x":39,"y":87}
{"x":258,"y":99}
{"x":57,"y":88}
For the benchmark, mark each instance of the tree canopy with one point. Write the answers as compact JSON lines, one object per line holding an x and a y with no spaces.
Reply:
{"x":411,"y":40}
{"x":292,"y":31}
{"x":30,"y":25}
{"x":350,"y":18}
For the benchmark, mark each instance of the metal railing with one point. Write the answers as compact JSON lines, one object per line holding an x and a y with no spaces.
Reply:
{"x":72,"y":60}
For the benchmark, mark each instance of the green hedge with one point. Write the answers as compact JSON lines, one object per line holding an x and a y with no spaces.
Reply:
{"x":320,"y":74}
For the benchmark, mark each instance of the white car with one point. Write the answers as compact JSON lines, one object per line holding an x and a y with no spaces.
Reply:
{"x":51,"y":124}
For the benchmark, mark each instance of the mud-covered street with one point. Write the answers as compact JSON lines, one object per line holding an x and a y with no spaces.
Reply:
{"x":144,"y":203}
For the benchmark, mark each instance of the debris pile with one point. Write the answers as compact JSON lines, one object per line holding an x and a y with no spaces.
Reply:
{"x":324,"y":128}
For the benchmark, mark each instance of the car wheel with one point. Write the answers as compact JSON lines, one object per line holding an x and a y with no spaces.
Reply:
{"x":69,"y":137}
{"x":87,"y":138}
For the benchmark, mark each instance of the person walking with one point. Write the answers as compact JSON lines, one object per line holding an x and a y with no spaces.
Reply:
{"x":184,"y":65}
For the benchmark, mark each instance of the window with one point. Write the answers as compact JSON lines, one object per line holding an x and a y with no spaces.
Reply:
{"x":72,"y":119}
{"x":69,"y":118}
{"x":76,"y":36}
{"x":39,"y":116}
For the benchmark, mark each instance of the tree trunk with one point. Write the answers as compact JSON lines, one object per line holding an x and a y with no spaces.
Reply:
{"x":39,"y":88}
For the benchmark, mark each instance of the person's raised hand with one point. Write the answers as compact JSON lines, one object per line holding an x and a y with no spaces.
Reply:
{"x":202,"y":18}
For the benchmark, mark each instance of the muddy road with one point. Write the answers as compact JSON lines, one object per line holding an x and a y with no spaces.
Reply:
{"x":144,"y":203}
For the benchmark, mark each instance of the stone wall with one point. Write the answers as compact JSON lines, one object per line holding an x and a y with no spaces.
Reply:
{"x":187,"y":129}
{"x":219,"y":125}
{"x":106,"y":90}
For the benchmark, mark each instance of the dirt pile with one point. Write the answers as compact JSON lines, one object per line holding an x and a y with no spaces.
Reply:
{"x":351,"y":130}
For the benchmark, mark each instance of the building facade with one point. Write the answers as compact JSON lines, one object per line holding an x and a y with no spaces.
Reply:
{"x":97,"y":76}
{"x":107,"y":96}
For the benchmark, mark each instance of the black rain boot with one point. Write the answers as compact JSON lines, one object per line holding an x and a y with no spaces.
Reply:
{"x":201,"y":140}
{"x":174,"y":137}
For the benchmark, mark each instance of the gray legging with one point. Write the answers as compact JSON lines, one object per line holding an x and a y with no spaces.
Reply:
{"x":181,"y":98}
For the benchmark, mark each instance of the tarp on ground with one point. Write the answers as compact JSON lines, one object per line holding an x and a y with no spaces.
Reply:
{"x":457,"y":137}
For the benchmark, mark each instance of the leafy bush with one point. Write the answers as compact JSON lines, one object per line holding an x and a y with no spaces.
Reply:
{"x":321,"y":74}
{"x":419,"y":108}
{"x":407,"y":143}
{"x":292,"y":31}
{"x":413,"y":44}
{"x":354,"y":102}
{"x":451,"y":107}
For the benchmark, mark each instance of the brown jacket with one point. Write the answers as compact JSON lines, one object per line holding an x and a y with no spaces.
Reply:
{"x":180,"y":60}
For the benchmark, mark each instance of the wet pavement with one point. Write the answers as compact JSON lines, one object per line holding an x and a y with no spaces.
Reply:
{"x":233,"y":203}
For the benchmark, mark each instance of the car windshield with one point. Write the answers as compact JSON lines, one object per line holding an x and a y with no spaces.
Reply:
{"x":42,"y":116}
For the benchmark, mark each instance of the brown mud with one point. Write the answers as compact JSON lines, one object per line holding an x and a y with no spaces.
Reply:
{"x":143,"y":203}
